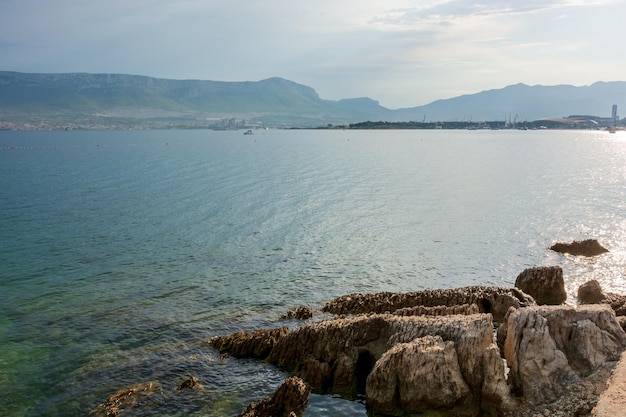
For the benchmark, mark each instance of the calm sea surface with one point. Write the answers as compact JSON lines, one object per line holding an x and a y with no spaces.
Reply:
{"x":121,"y":251}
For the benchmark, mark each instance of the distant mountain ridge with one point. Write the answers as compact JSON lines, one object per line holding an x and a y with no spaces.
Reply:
{"x":128,"y":99}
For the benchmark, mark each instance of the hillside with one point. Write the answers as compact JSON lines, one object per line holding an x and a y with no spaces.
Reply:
{"x":116,"y":97}
{"x":121,"y":100}
{"x":523,"y":102}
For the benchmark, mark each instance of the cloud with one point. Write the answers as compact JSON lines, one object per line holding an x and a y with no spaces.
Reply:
{"x":401,"y":52}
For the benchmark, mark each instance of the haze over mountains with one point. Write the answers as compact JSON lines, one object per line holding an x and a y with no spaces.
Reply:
{"x":105,"y":99}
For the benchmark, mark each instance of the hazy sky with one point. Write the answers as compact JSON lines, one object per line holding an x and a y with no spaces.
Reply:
{"x":403,"y":53}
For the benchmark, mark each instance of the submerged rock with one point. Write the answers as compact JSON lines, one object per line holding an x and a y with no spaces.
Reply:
{"x":589,"y":247}
{"x":191,"y":383}
{"x":544,"y":283}
{"x":494,"y":300}
{"x":126,"y":399}
{"x":288,"y":400}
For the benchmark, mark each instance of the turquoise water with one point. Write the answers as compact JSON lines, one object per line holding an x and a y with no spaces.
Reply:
{"x":121,"y":251}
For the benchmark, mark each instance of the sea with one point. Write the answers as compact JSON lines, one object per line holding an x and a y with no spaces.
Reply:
{"x":122,"y":252}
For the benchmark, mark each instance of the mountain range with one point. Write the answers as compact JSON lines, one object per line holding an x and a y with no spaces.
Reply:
{"x":132,"y":100}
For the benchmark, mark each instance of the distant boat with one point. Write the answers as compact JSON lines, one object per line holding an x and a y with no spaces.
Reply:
{"x":247,"y":132}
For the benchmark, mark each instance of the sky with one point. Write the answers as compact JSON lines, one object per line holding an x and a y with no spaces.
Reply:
{"x":403,"y":53}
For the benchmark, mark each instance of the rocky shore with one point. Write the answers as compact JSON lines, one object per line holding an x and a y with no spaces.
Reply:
{"x":435,"y":352}
{"x":468,"y":352}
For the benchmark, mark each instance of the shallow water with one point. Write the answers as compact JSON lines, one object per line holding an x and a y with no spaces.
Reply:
{"x":121,"y":251}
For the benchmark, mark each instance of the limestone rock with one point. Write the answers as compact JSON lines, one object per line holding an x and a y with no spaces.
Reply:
{"x":191,"y":383}
{"x":544,"y":283}
{"x":591,"y":293}
{"x":127,"y":398}
{"x":464,"y":309}
{"x":298,"y":313}
{"x":288,"y":400}
{"x":550,"y":348}
{"x":589,"y":247}
{"x":256,"y":344}
{"x":419,"y":376}
{"x":494,"y":300}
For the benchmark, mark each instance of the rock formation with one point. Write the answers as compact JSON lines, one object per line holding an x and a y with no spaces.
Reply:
{"x":591,"y":293}
{"x":544,"y":283}
{"x":558,"y":356}
{"x":126,"y":398}
{"x":339,"y":355}
{"x":190,"y":383}
{"x":256,"y":344}
{"x":550,"y":348}
{"x":465,"y":309}
{"x":288,"y":400}
{"x":298,"y":313}
{"x":589,"y":247}
{"x":494,"y":300}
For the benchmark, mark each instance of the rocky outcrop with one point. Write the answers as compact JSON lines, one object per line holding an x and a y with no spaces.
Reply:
{"x":544,"y":283}
{"x":123,"y":400}
{"x":591,"y":293}
{"x":494,"y":300}
{"x":298,"y":313}
{"x":558,"y":356}
{"x":190,"y":383}
{"x":339,"y":355}
{"x":589,"y":247}
{"x":256,"y":344}
{"x":464,"y":309}
{"x":289,"y":400}
{"x":419,"y":376}
{"x":550,"y":348}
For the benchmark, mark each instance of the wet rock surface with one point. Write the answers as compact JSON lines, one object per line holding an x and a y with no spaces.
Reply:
{"x":289,"y":400}
{"x":123,"y":400}
{"x":589,"y":247}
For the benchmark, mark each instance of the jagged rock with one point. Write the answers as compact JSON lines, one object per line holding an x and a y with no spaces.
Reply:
{"x":591,"y":293}
{"x":544,"y":283}
{"x":125,"y":399}
{"x":257,"y":344}
{"x":299,"y":313}
{"x":550,"y":348}
{"x":419,"y":376}
{"x":464,"y":309}
{"x":288,"y":400}
{"x":191,"y":383}
{"x":494,"y":300}
{"x":589,"y":247}
{"x":338,"y":355}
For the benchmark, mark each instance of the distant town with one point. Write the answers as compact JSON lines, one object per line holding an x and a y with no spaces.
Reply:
{"x":585,"y":122}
